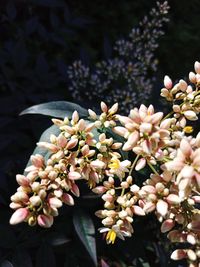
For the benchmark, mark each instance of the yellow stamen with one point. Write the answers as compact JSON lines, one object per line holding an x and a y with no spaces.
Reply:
{"x":188,"y":129}
{"x":115,"y":164}
{"x":111,"y":236}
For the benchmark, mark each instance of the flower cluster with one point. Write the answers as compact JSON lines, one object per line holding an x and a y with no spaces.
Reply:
{"x":125,"y":78}
{"x":109,"y":151}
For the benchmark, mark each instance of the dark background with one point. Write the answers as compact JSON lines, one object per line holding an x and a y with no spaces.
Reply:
{"x":38,"y":40}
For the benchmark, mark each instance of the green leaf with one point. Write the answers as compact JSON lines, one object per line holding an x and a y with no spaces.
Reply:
{"x":84,"y":228}
{"x":6,"y":264}
{"x":57,"y":239}
{"x":57,"y":109}
{"x":143,"y":263}
{"x":45,"y":137}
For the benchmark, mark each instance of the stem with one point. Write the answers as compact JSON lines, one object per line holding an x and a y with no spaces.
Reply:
{"x":152,"y":168}
{"x":133,"y":165}
{"x":168,"y":115}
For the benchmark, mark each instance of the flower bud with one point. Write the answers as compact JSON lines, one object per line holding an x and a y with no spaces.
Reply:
{"x":167,"y":82}
{"x":45,"y":221}
{"x":19,"y":216}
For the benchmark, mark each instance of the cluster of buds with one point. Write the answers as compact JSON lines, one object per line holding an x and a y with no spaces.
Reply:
{"x":108,"y":151}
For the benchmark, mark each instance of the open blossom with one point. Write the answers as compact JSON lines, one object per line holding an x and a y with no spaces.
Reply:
{"x":119,"y":168}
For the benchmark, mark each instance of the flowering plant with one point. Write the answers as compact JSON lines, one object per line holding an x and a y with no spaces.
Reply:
{"x":111,"y":152}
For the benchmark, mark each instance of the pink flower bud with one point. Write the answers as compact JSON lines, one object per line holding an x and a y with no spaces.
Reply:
{"x":197,"y":67}
{"x":74,"y":175}
{"x":19,"y":216}
{"x":140,"y":164}
{"x":137,"y":210}
{"x":20,"y":197}
{"x":92,"y":114}
{"x":167,"y":225}
{"x":178,"y":254}
{"x":15,"y":206}
{"x":190,"y":115}
{"x":99,"y":190}
{"x":104,"y":107}
{"x":75,"y":116}
{"x":191,"y":238}
{"x":22,"y":180}
{"x":173,"y":199}
{"x":167,"y":82}
{"x":120,"y":130}
{"x":113,"y":109}
{"x":37,"y":160}
{"x":192,"y":77}
{"x":81,"y":125}
{"x":191,"y":255}
{"x":45,"y":221}
{"x":98,"y":164}
{"x":75,"y":190}
{"x":61,"y":141}
{"x":72,"y":143}
{"x":162,"y":207}
{"x":48,"y":146}
{"x":68,"y":199}
{"x":35,"y":200}
{"x":54,"y":202}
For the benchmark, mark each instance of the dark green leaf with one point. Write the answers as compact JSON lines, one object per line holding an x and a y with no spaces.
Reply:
{"x":143,"y":263}
{"x":6,"y":264}
{"x":57,"y":109}
{"x":57,"y":239}
{"x":84,"y":227}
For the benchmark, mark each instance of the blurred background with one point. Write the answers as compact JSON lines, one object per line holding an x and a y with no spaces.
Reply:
{"x":84,"y":52}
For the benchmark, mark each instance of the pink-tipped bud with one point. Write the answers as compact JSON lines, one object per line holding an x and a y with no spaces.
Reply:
{"x":75,"y":190}
{"x":54,"y":202}
{"x":74,"y":175}
{"x":72,"y":143}
{"x":197,"y":67}
{"x":178,"y":254}
{"x":191,"y":238}
{"x":192,"y":77}
{"x":162,"y":207}
{"x":37,"y":160}
{"x":81,"y":125}
{"x":61,"y":141}
{"x":19,"y":216}
{"x":104,"y":107}
{"x":167,"y":82}
{"x":113,"y":109}
{"x":190,"y":115}
{"x":137,"y":210}
{"x":191,"y":255}
{"x":45,"y":221}
{"x":140,"y":164}
{"x":75,"y":116}
{"x":98,"y":164}
{"x":167,"y":225}
{"x":92,"y":114}
{"x":68,"y":199}
{"x":22,"y":180}
{"x":99,"y":190}
{"x":20,"y":197}
{"x":173,"y":199}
